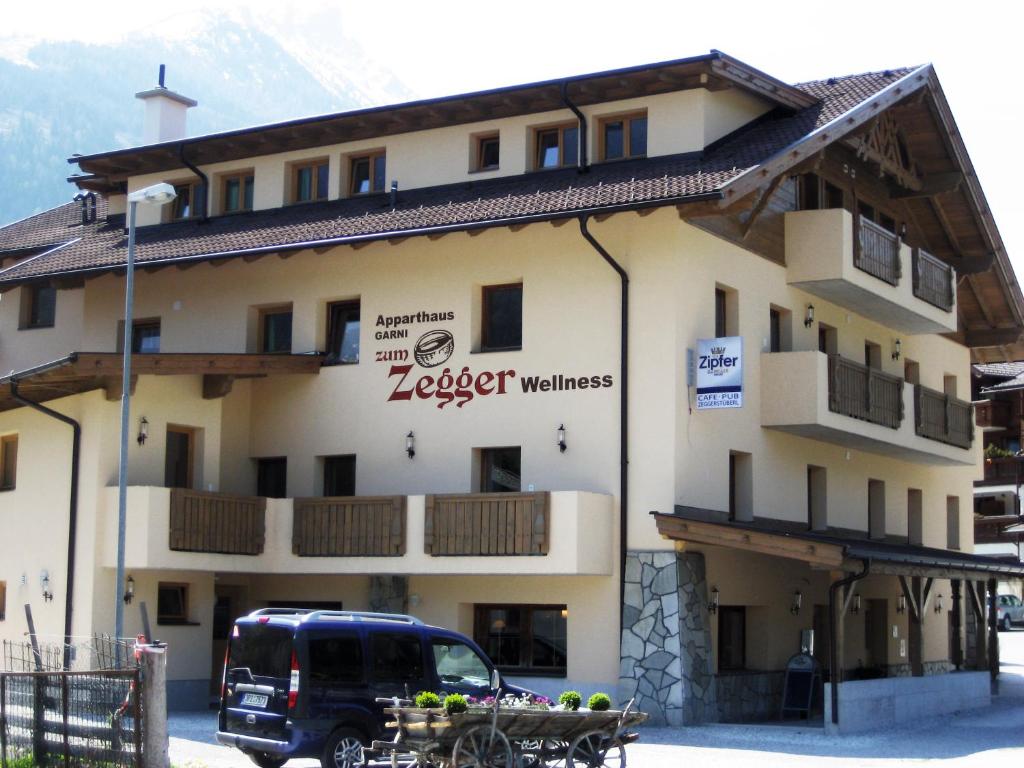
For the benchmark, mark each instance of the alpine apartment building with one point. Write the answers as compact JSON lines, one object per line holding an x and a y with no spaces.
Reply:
{"x":458,"y":358}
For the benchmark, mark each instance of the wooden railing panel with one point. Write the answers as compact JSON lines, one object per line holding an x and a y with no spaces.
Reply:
{"x":864,"y":393}
{"x":992,"y":414}
{"x":940,"y":417}
{"x":934,"y":280}
{"x":876,"y":250}
{"x":488,"y":524}
{"x":349,"y":526}
{"x":217,"y":523}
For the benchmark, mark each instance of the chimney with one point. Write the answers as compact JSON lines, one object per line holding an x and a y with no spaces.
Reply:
{"x":165,"y":113}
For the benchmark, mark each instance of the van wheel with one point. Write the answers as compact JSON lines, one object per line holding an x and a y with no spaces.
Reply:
{"x":344,"y":749}
{"x":264,"y":760}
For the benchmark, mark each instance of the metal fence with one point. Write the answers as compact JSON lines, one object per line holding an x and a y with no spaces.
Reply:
{"x":98,"y":652}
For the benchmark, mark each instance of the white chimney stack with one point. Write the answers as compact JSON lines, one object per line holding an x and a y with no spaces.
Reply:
{"x":165,"y":113}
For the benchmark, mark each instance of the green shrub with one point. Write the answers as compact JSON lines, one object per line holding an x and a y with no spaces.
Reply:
{"x":993,"y":451}
{"x":455,"y":703}
{"x":599,"y":702}
{"x":428,"y":700}
{"x":570,"y":700}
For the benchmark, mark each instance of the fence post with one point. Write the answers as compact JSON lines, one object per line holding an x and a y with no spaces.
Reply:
{"x":154,"y":707}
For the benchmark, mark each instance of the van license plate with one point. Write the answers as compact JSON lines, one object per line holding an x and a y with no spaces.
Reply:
{"x":255,"y":700}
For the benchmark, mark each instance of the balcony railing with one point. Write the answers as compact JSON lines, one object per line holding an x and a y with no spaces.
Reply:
{"x":941,"y":417}
{"x":877,"y":251}
{"x":1004,"y":471}
{"x":487,"y":524}
{"x":864,"y":393}
{"x":350,"y":526}
{"x":934,"y":280}
{"x":217,"y":522}
{"x":992,"y":414}
{"x":992,"y":529}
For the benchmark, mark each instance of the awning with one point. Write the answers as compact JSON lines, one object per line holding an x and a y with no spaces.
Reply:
{"x":86,"y":371}
{"x":832,"y":552}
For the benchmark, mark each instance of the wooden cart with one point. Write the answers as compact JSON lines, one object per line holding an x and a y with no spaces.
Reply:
{"x":505,"y":737}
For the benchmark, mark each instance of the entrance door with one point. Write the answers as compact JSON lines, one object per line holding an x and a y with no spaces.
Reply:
{"x":179,"y":458}
{"x":230,"y":603}
{"x":876,"y":635}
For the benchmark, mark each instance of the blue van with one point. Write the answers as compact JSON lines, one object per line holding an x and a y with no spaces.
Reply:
{"x":305,"y":683}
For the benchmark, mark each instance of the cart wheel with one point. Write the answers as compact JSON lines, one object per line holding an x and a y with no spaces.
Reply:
{"x":480,"y":748}
{"x":596,"y":750}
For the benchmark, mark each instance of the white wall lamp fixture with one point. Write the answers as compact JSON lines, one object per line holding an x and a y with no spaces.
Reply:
{"x":561,"y":438}
{"x":129,"y":590}
{"x":410,"y":444}
{"x":44,"y":582}
{"x":938,"y":603}
{"x":798,"y":601}
{"x":901,"y":604}
{"x":713,"y":602}
{"x":855,"y":605}
{"x":809,"y":316}
{"x":143,"y":430}
{"x":897,"y":349}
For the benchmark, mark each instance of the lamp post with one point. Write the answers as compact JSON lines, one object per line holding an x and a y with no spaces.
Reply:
{"x":158,"y":194}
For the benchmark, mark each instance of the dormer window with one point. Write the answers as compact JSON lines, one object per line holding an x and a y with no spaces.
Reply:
{"x":309,"y":181}
{"x":557,"y":147}
{"x":487,"y":147}
{"x":367,"y":173}
{"x":238,"y":189}
{"x":189,"y":201}
{"x":623,"y":136}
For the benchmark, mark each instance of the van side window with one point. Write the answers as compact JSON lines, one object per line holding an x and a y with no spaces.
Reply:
{"x":458,"y":663}
{"x":396,"y":656}
{"x":335,"y":658}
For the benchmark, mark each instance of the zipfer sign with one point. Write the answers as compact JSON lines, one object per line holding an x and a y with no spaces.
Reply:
{"x":720,"y":372}
{"x":420,"y":373}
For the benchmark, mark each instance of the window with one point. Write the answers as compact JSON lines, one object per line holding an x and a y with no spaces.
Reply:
{"x":732,"y":637}
{"x":190,"y":201}
{"x":720,"y":313}
{"x":500,"y":470}
{"x":502,"y":315}
{"x":237,"y":193}
{"x":8,"y":462}
{"x":872,"y":355}
{"x":396,"y":656}
{"x":342,"y":332}
{"x":817,"y":498}
{"x":486,"y":152}
{"x":179,"y":458}
{"x":953,"y":522}
{"x":276,"y":330}
{"x":816,"y":193}
{"x":367,"y":174}
{"x":727,"y":320}
{"x":3,"y":600}
{"x":780,"y":329}
{"x":623,"y":137}
{"x":557,"y":147}
{"x":915,"y":526}
{"x":38,"y":306}
{"x":335,"y":657}
{"x":172,"y":603}
{"x":741,"y":506}
{"x":828,"y":339}
{"x":309,"y":181}
{"x":460,"y":666}
{"x":145,"y":336}
{"x":262,"y":650}
{"x":912,"y":372}
{"x":523,"y":639}
{"x":272,"y":477}
{"x":876,"y":509}
{"x":339,"y":475}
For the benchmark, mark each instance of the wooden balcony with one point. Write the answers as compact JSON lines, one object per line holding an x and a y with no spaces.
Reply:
{"x":217,"y":523}
{"x":992,"y":415}
{"x":487,"y":524}
{"x":992,"y":529}
{"x":351,"y":526}
{"x":865,"y":393}
{"x":1003,"y":471}
{"x":937,"y":416}
{"x":854,"y":263}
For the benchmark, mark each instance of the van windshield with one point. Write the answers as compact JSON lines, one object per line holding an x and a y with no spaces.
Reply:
{"x":263,"y":650}
{"x":459,"y":664}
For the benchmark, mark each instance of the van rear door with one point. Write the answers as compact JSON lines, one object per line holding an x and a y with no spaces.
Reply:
{"x":256,"y":680}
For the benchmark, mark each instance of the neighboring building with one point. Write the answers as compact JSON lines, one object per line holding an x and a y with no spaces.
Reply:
{"x":382,"y":363}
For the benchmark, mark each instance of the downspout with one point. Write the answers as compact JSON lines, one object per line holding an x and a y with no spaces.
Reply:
{"x":76,"y":443}
{"x":201,"y":175}
{"x":581,"y":139}
{"x":833,"y":642}
{"x":623,"y":408}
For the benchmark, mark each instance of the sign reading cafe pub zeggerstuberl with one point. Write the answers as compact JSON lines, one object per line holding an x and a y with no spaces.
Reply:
{"x":417,"y":370}
{"x":720,"y":372}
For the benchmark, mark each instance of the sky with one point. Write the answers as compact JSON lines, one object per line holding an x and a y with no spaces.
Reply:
{"x":440,"y":48}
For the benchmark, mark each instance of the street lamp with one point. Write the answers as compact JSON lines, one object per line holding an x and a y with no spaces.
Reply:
{"x":158,"y":194}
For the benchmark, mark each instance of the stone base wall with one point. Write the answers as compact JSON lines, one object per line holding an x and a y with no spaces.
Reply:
{"x":930,"y":668}
{"x":389,"y":594}
{"x":749,"y":697}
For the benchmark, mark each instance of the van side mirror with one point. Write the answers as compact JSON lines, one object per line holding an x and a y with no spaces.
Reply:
{"x":495,"y":680}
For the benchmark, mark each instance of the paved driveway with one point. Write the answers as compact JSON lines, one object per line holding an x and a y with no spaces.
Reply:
{"x":991,"y":737}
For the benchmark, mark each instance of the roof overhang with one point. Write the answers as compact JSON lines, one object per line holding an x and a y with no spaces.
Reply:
{"x":82,"y":372}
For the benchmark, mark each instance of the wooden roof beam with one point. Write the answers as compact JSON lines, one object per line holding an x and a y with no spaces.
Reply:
{"x":991,"y":337}
{"x":936,"y":184}
{"x":972,"y":265}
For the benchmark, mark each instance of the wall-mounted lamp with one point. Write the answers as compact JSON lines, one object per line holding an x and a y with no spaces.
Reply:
{"x":44,"y":582}
{"x":565,"y":613}
{"x":901,"y":604}
{"x":855,"y":605}
{"x":798,"y":601}
{"x":561,"y":438}
{"x":129,"y":590}
{"x":938,"y":603}
{"x":809,"y":316}
{"x":713,"y":603}
{"x":897,"y":348}
{"x":410,"y":444}
{"x":143,"y":430}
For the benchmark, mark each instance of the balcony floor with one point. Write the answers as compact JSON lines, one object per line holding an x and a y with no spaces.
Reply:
{"x":855,"y":441}
{"x":880,"y":309}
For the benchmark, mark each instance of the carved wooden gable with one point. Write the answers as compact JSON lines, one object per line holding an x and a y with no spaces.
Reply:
{"x":883,"y":144}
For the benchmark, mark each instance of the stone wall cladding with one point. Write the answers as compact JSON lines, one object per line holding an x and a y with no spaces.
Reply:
{"x":748,"y":697}
{"x":389,"y":594}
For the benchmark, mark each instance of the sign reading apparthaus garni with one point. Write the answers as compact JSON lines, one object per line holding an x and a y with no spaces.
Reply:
{"x":720,"y":372}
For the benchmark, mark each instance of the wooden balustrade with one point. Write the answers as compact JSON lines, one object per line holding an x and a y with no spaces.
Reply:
{"x":487,"y":524}
{"x":940,"y":417}
{"x":992,"y":414}
{"x":349,"y":526}
{"x":1004,"y":471}
{"x":934,"y":280}
{"x":864,"y":393}
{"x":217,"y":522}
{"x":876,"y":250}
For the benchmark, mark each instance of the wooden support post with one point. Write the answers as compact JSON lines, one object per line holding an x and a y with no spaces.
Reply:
{"x":993,"y":636}
{"x":980,"y":625}
{"x":838,"y":631}
{"x":916,"y":640}
{"x":958,"y":618}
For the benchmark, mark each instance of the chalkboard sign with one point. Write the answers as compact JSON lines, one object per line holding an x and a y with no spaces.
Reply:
{"x":802,"y":678}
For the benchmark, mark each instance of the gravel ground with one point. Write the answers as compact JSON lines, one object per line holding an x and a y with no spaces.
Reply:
{"x":990,"y":737}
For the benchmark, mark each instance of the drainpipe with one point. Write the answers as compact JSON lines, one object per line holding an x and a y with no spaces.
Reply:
{"x":833,"y":642}
{"x":76,"y":442}
{"x":623,"y":408}
{"x":581,"y":139}
{"x":201,"y":175}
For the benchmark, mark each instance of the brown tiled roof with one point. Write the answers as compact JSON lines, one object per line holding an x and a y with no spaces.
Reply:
{"x":542,"y":195}
{"x":46,"y":229}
